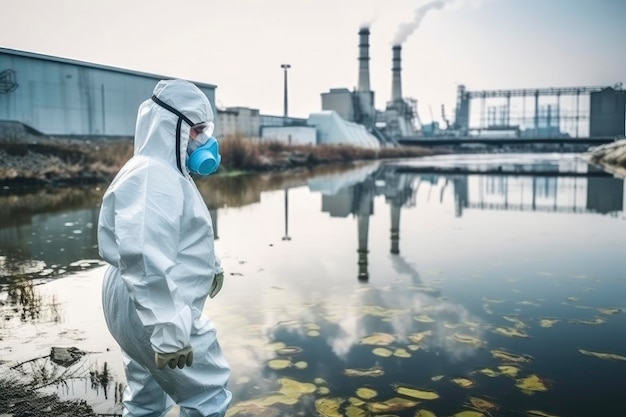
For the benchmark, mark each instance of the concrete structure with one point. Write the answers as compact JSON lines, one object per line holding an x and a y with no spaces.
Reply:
{"x":341,"y":101}
{"x":290,"y":135}
{"x":249,"y":122}
{"x":608,"y":113}
{"x":333,"y":130}
{"x":58,"y":96}
{"x":242,"y":121}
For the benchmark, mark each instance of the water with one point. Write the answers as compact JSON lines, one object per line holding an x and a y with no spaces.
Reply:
{"x":446,"y":261}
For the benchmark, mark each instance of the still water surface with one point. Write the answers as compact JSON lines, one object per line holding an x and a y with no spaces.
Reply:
{"x":436,"y":283}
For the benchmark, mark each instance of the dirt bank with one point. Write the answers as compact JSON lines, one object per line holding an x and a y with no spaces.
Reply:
{"x":62,"y":161}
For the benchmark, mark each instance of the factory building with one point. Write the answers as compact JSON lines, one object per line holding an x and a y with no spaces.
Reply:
{"x":608,"y":113}
{"x":545,"y":112}
{"x":57,"y":96}
{"x":398,"y":118}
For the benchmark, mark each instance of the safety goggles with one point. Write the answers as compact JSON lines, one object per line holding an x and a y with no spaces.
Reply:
{"x":204,"y":127}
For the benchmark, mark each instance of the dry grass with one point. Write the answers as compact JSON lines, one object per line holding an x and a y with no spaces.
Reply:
{"x":84,"y":160}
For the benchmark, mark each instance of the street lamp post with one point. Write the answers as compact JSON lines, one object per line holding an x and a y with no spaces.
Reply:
{"x":285,"y":67}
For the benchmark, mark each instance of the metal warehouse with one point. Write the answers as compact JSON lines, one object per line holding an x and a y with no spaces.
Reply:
{"x":58,"y":96}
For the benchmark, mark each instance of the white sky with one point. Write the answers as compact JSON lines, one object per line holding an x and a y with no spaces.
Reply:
{"x":239,"y":45}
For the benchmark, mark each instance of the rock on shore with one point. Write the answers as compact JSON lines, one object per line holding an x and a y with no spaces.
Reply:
{"x":611,"y":157}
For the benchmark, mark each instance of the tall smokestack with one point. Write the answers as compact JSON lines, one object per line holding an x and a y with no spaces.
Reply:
{"x":364,"y":59}
{"x":396,"y":73}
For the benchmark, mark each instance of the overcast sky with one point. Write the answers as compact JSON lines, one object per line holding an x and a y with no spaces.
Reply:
{"x":239,"y":45}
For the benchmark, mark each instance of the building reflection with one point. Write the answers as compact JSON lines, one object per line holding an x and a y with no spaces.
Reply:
{"x":550,"y":189}
{"x":47,"y":233}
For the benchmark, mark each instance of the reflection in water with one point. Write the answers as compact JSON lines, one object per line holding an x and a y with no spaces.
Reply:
{"x":21,"y":299}
{"x":456,"y":269}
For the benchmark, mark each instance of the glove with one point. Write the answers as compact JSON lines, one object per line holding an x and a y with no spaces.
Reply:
{"x":181,"y":358}
{"x":216,"y":286}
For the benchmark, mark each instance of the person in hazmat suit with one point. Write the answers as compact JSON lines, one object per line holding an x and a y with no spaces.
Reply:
{"x":155,"y":231}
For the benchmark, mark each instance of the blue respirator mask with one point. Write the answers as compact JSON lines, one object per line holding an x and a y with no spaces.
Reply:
{"x":204,"y":154}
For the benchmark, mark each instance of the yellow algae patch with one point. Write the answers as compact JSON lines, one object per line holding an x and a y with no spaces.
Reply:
{"x":323,"y":391}
{"x":463,"y":382}
{"x":610,"y":311}
{"x":378,"y":339}
{"x":416,"y":393}
{"x":436,"y":378}
{"x":482,"y":404}
{"x":516,"y":322}
{"x":491,"y":300}
{"x":548,"y":322}
{"x":312,"y":326}
{"x":601,"y":355}
{"x":313,"y":333}
{"x":537,"y":413}
{"x":278,"y":398}
{"x":510,"y":332}
{"x":472,"y":324}
{"x":528,"y":303}
{"x":449,"y":325}
{"x":384,"y":352}
{"x":366,"y":393}
{"x":424,"y":413}
{"x":393,"y":404}
{"x":373,"y":372}
{"x":469,"y":414}
{"x":413,"y":347}
{"x":419,"y":337}
{"x":288,"y":323}
{"x":328,"y":407}
{"x":378,"y":311}
{"x":247,"y":408}
{"x":596,"y":320}
{"x":356,"y":401}
{"x":510,"y":357}
{"x":488,"y":372}
{"x":401,"y":353}
{"x":320,"y":381}
{"x":289,"y":350}
{"x":509,"y":370}
{"x":277,"y":364}
{"x":531,"y":383}
{"x":276,"y":345}
{"x":352,"y":411}
{"x":293,"y":388}
{"x":301,"y":365}
{"x":467,"y":339}
{"x":424,"y":318}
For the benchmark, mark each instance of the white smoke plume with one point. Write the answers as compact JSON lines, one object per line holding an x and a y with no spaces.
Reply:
{"x":406,"y":29}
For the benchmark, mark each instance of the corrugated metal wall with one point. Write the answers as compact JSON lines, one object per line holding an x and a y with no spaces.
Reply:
{"x":63,"y":97}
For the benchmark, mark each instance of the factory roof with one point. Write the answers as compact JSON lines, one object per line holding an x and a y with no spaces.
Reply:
{"x":34,"y":55}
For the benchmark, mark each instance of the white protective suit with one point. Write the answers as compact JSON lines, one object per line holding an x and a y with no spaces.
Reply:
{"x":155,"y":231}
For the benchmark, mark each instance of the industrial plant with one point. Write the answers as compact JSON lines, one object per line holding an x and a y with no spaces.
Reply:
{"x":545,"y":112}
{"x":47,"y":95}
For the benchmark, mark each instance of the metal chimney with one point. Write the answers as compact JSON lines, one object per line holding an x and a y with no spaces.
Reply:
{"x":364,"y":58}
{"x":396,"y":73}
